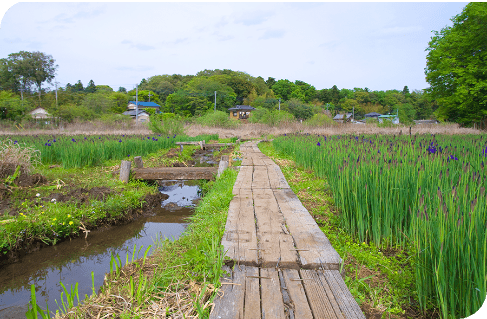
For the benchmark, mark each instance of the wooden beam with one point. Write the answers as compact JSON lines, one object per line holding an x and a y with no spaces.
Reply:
{"x":175,"y":173}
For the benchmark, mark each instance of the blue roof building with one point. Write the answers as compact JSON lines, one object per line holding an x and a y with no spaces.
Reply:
{"x":144,"y":105}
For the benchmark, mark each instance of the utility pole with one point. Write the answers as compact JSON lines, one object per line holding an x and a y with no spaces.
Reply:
{"x":55,"y":83}
{"x":279,"y":104}
{"x":215,"y":102}
{"x":149,"y":96}
{"x":353,"y":114}
{"x":137,"y":104}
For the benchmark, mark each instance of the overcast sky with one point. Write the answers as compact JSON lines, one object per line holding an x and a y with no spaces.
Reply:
{"x":376,"y":45}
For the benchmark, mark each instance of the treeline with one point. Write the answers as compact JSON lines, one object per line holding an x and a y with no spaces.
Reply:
{"x":192,"y":95}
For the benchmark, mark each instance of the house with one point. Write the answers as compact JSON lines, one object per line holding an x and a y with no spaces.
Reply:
{"x":144,"y":105}
{"x":372,"y":115}
{"x":143,"y":115}
{"x":241,"y":112}
{"x":341,"y":118}
{"x":394,"y":118}
{"x":40,"y":114}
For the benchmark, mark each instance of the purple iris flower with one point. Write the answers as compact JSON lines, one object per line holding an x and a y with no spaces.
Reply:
{"x":485,"y":152}
{"x":120,"y":141}
{"x":318,"y":144}
{"x":432,"y":149}
{"x":452,"y":157}
{"x":15,"y":142}
{"x":73,"y":140}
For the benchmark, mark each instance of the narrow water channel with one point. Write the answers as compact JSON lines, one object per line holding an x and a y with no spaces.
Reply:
{"x":73,"y":261}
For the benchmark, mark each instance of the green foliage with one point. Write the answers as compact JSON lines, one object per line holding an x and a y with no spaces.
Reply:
{"x":320,"y":119}
{"x":98,"y":103}
{"x":12,"y":107}
{"x":272,"y":118}
{"x":456,"y":66}
{"x":167,"y":126}
{"x":298,"y":109}
{"x":216,"y":119}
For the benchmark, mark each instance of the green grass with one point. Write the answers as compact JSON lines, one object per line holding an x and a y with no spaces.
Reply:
{"x":87,"y":151}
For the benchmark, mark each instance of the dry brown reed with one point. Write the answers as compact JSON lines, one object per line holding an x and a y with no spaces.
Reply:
{"x":13,"y":155}
{"x":248,"y":130}
{"x":258,"y":130}
{"x":178,"y":300}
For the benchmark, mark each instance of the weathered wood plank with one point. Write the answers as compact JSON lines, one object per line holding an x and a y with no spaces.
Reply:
{"x":240,"y":239}
{"x":276,"y":246}
{"x":272,"y":304}
{"x":343,"y":297}
{"x":315,"y":250}
{"x":319,"y":302}
{"x":230,"y":304}
{"x":125,"y":171}
{"x":175,"y":173}
{"x":188,"y":143}
{"x":260,"y":179}
{"x":276,"y":178}
{"x":244,"y":179}
{"x":252,"y":294}
{"x":296,"y":292}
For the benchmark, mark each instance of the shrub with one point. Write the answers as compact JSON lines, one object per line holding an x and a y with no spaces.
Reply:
{"x":320,"y":119}
{"x":166,"y":125}
{"x":216,"y":119}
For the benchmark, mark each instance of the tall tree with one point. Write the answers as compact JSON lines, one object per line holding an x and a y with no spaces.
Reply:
{"x":91,"y":87}
{"x":456,"y":66}
{"x":43,"y":69}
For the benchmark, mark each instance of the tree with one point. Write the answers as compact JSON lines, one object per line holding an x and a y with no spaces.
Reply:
{"x":122,"y":90}
{"x":283,"y":89}
{"x":91,"y":87}
{"x":31,"y":68}
{"x":78,"y":87}
{"x":270,"y":82}
{"x":456,"y":66}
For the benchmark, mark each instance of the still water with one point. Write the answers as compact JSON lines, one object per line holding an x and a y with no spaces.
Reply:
{"x":73,"y":261}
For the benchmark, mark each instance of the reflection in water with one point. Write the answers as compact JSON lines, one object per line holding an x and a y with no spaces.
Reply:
{"x":73,"y":261}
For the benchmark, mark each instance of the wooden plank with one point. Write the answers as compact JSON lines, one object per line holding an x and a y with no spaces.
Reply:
{"x":344,"y":298}
{"x":276,"y":178}
{"x":240,"y":239}
{"x":252,"y":294}
{"x":276,"y":246}
{"x":272,"y":304}
{"x":319,"y":302}
{"x":231,"y":303}
{"x":188,"y":143}
{"x":175,"y":173}
{"x":260,"y":179}
{"x":315,"y":250}
{"x":244,"y":179}
{"x":218,"y":145}
{"x":297,"y":294}
{"x":257,"y":159}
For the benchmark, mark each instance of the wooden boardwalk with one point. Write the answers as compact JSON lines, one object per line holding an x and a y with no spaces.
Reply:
{"x":283,"y":264}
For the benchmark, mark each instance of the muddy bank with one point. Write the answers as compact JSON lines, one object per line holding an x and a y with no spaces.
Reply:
{"x":151,"y":205}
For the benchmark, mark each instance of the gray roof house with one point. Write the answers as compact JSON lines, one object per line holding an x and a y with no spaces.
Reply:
{"x":340,"y":117}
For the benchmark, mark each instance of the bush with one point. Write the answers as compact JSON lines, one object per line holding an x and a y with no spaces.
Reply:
{"x":320,"y":119}
{"x":166,"y":125}
{"x":216,"y":119}
{"x":272,"y":118}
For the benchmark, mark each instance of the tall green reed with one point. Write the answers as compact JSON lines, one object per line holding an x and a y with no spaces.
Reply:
{"x":426,"y":192}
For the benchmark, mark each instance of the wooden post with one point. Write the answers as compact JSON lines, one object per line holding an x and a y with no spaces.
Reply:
{"x":202,"y":145}
{"x":223,"y":165}
{"x":181,"y":149}
{"x":138,"y":162}
{"x":125,"y":171}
